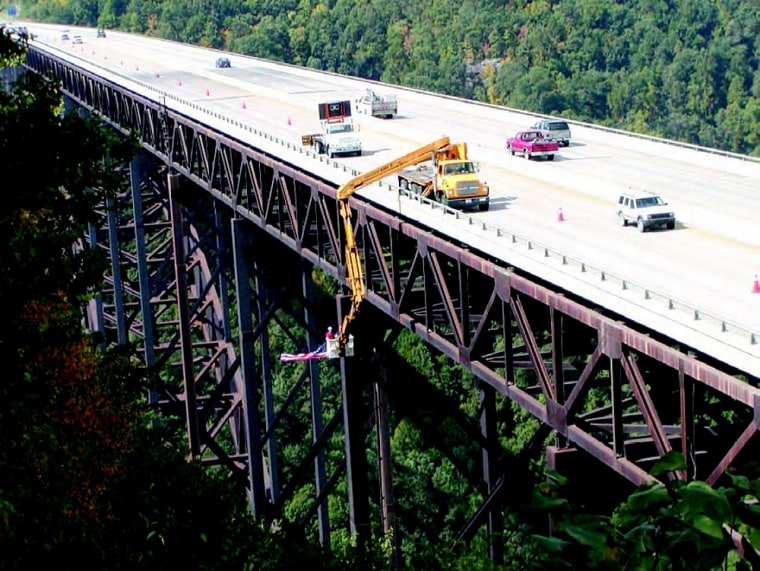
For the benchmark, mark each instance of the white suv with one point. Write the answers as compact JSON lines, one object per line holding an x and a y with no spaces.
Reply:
{"x":646,"y":210}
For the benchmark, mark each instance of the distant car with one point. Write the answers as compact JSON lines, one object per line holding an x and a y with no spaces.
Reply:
{"x":646,"y":210}
{"x":223,"y":62}
{"x":532,"y":144}
{"x":65,"y":36}
{"x":77,"y":40}
{"x":556,"y":129}
{"x":101,"y":33}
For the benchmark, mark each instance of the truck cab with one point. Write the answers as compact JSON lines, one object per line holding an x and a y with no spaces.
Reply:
{"x":339,"y":135}
{"x":458,"y":184}
{"x":341,"y":139}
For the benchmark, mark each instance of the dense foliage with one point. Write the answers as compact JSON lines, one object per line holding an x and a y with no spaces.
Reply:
{"x":681,"y":69}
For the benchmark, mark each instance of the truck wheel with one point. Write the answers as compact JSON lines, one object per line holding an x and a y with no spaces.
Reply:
{"x":622,"y":220}
{"x":330,"y":153}
{"x":526,"y":154}
{"x":483,"y":207}
{"x":640,"y":225}
{"x":510,"y":150}
{"x":670,"y":225}
{"x":550,"y":157}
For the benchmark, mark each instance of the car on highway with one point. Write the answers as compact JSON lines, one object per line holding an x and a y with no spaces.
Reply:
{"x":644,"y":209}
{"x":556,"y":129}
{"x":532,"y":144}
{"x":223,"y":62}
{"x":77,"y":40}
{"x":65,"y":36}
{"x":101,"y":33}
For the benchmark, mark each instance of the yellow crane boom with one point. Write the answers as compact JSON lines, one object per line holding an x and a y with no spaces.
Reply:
{"x":431,"y":151}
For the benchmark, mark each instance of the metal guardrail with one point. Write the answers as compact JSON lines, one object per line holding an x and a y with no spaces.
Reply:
{"x":610,"y":282}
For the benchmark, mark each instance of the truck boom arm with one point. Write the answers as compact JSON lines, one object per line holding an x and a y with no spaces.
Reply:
{"x":353,"y":259}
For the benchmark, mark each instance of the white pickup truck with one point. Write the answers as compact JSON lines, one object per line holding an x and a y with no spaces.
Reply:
{"x":377,"y":105}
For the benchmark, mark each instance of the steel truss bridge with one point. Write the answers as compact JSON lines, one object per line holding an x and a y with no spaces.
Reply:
{"x":214,"y":241}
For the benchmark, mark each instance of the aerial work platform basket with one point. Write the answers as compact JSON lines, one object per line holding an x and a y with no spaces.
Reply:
{"x":332,"y":347}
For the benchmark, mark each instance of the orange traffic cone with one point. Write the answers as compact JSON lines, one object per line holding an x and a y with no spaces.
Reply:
{"x":756,"y":285}
{"x":560,"y":216}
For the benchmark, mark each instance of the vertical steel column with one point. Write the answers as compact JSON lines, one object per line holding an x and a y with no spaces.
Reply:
{"x":136,"y":176}
{"x":356,"y":452}
{"x":686,"y":391}
{"x":96,"y":305}
{"x":616,"y":381}
{"x":263,"y":313}
{"x":186,"y":342}
{"x":387,"y":499}
{"x":509,"y":349}
{"x":558,"y":367}
{"x":489,"y":460}
{"x":320,"y":479}
{"x":115,"y":253}
{"x":247,"y":347}
{"x":222,"y":290}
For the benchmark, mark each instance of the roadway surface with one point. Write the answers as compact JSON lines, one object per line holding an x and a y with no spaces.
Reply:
{"x":705,"y":267}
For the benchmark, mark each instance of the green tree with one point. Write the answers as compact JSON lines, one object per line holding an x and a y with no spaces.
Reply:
{"x":671,"y":525}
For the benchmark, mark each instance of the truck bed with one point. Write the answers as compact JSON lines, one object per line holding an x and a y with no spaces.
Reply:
{"x":377,"y":105}
{"x":421,"y":176}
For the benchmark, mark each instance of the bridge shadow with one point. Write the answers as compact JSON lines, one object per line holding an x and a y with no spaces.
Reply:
{"x":372,"y":152}
{"x":501,"y":202}
{"x":394,"y":118}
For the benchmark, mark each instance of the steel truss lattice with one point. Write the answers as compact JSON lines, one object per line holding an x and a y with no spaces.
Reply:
{"x":553,"y":354}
